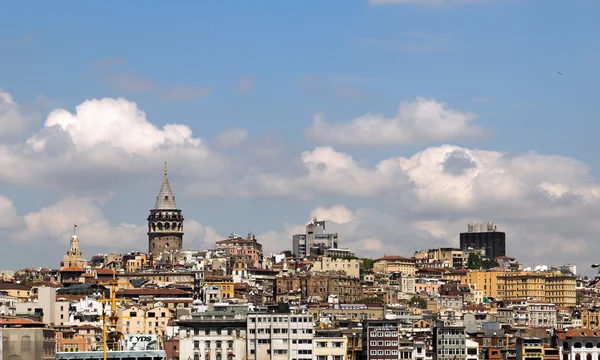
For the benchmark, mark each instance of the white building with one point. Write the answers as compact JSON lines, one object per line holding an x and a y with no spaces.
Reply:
{"x":213,"y":335}
{"x":541,"y":314}
{"x":7,"y":304}
{"x":579,"y":344}
{"x":329,"y":344}
{"x":472,"y":349}
{"x":280,"y":336}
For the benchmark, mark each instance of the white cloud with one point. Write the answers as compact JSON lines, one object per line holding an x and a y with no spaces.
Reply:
{"x":246,"y":84}
{"x":339,"y":214}
{"x":12,"y":119}
{"x":421,"y":121}
{"x":8,"y":214}
{"x":231,"y":138}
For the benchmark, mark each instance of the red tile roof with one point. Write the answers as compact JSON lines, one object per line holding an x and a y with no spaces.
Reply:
{"x":73,"y":269}
{"x":393,"y":257}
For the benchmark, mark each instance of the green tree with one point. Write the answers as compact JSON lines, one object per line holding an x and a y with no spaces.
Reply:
{"x":368,"y":263}
{"x":418,"y":302}
{"x":488,"y":264}
{"x":474,"y":262}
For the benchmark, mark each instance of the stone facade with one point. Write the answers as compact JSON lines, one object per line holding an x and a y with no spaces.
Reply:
{"x":165,"y":223}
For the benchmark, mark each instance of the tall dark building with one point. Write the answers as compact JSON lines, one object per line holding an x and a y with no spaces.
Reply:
{"x":486,"y":237}
{"x":165,"y":223}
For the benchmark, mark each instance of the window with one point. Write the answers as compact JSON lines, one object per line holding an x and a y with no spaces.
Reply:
{"x":577,"y":345}
{"x":196,"y":357}
{"x":219,"y":357}
{"x":589,"y":345}
{"x":196,"y":344}
{"x":25,"y":343}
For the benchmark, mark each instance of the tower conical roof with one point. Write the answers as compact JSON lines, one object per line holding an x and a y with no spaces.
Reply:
{"x":165,"y":199}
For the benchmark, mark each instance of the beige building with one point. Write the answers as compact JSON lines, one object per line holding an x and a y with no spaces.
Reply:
{"x":329,"y":344}
{"x":349,"y":266}
{"x":544,"y":286}
{"x":29,"y":342}
{"x":394,"y":263}
{"x":141,"y":320}
{"x":454,"y":257}
{"x":484,"y":281}
{"x":73,"y":257}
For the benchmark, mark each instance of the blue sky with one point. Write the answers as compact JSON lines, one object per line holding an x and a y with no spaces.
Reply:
{"x":268,"y":67}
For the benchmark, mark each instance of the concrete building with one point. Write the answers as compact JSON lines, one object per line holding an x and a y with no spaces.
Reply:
{"x":578,"y":344}
{"x":28,"y":343}
{"x":530,"y":348}
{"x":351,"y":267}
{"x":455,"y":257}
{"x":449,"y":342}
{"x":395,"y":264}
{"x":380,"y":339}
{"x":280,"y":336}
{"x":248,"y":250}
{"x":165,"y":223}
{"x":544,"y":286}
{"x":141,"y":320}
{"x":7,"y":304}
{"x":329,"y":344}
{"x":315,"y":236}
{"x":484,"y":281}
{"x":213,"y":335}
{"x":484,"y":236}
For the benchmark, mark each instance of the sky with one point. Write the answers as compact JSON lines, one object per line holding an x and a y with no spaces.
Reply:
{"x":397,"y":121}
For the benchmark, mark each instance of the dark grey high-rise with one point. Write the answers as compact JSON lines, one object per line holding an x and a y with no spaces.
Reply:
{"x":484,"y":236}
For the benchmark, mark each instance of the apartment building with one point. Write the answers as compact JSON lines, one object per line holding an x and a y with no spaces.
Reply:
{"x":579,"y":344}
{"x":239,"y":247}
{"x":484,"y":281}
{"x":449,"y":342}
{"x":393,"y":264}
{"x":213,"y":335}
{"x":380,"y":340}
{"x":318,"y":287}
{"x":141,"y":320}
{"x":329,"y":344}
{"x":349,"y":266}
{"x":454,"y":257}
{"x":280,"y":335}
{"x":530,"y":348}
{"x":544,"y":286}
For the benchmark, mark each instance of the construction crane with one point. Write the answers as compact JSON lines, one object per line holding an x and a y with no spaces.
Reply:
{"x":353,"y":345}
{"x":115,"y":336}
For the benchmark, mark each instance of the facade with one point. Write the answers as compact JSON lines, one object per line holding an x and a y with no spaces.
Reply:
{"x":449,"y":342}
{"x":543,"y":286}
{"x":530,"y":348}
{"x":579,"y":344}
{"x":316,"y":236}
{"x":165,"y":223}
{"x":485,"y":281}
{"x":350,"y":266}
{"x":329,"y":345}
{"x":247,"y":249}
{"x":395,"y":264}
{"x":484,"y":236}
{"x":28,"y":343}
{"x":280,"y":336}
{"x":317,"y":287}
{"x":73,"y":257}
{"x":455,"y":257}
{"x":139,"y":320}
{"x":380,"y":340}
{"x":213,"y":335}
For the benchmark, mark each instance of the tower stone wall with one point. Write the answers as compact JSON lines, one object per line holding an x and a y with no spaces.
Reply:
{"x":165,"y":222}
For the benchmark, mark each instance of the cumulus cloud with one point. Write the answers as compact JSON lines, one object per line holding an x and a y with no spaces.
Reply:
{"x":103,"y":138}
{"x":421,"y":121}
{"x":12,"y":119}
{"x":231,"y":138}
{"x":395,"y":205}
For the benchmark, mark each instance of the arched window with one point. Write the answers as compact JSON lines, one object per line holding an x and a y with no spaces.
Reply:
{"x":566,"y":346}
{"x":589,"y":345}
{"x":565,"y":356}
{"x":577,"y":356}
{"x":196,"y":357}
{"x":167,"y":226}
{"x":577,"y":345}
{"x":160,"y":226}
{"x":25,"y":343}
{"x":588,"y":356}
{"x":230,"y":356}
{"x":174,"y":226}
{"x":14,"y":357}
{"x":218,"y":357}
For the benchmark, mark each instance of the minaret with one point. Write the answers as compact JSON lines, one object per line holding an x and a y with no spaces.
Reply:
{"x":165,"y":223}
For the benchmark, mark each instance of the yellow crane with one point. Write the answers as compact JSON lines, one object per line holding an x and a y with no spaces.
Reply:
{"x":113,"y":317}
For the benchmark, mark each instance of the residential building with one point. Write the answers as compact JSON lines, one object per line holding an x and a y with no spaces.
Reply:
{"x":249,"y":249}
{"x":165,"y":222}
{"x":329,"y":344}
{"x":26,"y":340}
{"x":318,"y":287}
{"x":454,"y":257}
{"x":578,"y":344}
{"x":224,"y":284}
{"x":544,"y":286}
{"x":380,"y":339}
{"x":395,"y":264}
{"x":485,"y":281}
{"x":530,"y":348}
{"x":349,"y":266}
{"x":213,"y":335}
{"x":280,"y":336}
{"x":142,"y":320}
{"x":21,"y":292}
{"x":7,"y":304}
{"x":449,"y":342}
{"x":484,"y":236}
